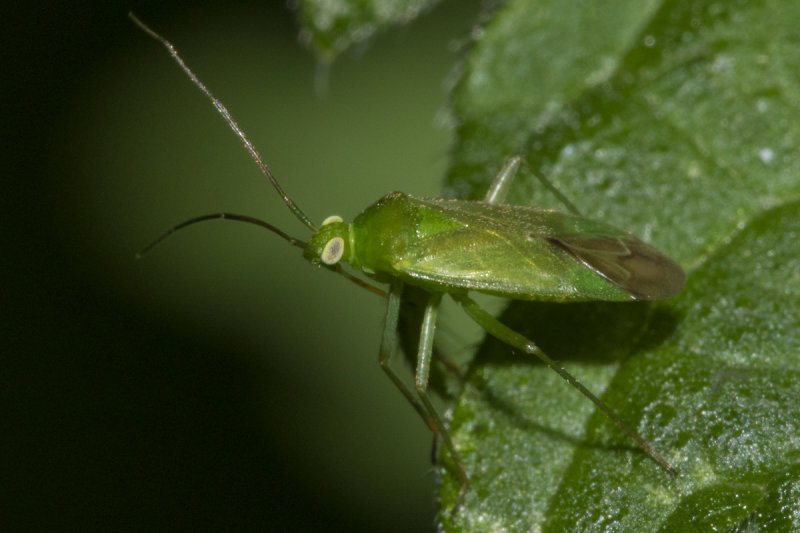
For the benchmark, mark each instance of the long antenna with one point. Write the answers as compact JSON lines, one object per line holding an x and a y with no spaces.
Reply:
{"x":229,"y":119}
{"x":226,"y":216}
{"x":257,"y":222}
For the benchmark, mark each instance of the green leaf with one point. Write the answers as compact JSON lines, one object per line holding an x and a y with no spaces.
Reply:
{"x":332,"y":26}
{"x":678,"y":121}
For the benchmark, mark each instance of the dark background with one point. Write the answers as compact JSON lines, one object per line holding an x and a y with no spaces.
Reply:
{"x":221,"y":382}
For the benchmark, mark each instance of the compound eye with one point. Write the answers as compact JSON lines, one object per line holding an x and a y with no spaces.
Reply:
{"x":331,"y":219}
{"x":333,"y":251}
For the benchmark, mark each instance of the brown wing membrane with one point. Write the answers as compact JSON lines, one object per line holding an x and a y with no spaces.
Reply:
{"x":627,"y":262}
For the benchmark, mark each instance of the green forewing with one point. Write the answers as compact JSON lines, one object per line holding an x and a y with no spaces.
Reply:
{"x":517,"y":252}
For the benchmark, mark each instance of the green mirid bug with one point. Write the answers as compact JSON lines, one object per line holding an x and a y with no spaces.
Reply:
{"x":456,"y":246}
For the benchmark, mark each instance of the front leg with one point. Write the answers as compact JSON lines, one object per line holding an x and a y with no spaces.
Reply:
{"x":422,"y":402}
{"x":424,"y":357}
{"x":389,"y":345}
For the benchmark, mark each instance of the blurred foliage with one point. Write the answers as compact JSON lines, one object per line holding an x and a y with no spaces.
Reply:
{"x":332,"y":26}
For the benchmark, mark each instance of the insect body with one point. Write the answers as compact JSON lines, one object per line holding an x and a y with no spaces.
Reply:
{"x":453,"y":247}
{"x":518,"y":252}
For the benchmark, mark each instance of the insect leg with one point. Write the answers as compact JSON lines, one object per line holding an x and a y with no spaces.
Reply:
{"x":502,"y":332}
{"x":424,"y":357}
{"x":498,"y":190}
{"x":560,"y":195}
{"x":388,"y":347}
{"x":422,"y":404}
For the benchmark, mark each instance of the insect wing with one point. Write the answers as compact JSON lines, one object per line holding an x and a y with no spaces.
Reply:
{"x":536,"y":254}
{"x":634,"y":266}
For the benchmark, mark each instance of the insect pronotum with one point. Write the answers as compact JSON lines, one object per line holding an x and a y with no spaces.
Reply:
{"x":456,"y":246}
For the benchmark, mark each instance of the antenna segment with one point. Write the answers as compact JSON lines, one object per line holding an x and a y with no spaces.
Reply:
{"x":229,"y":119}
